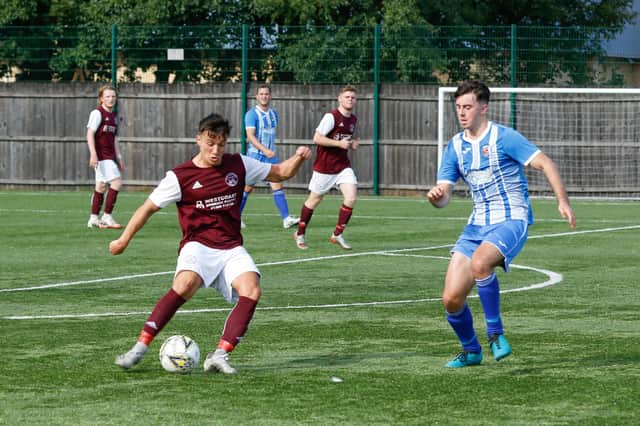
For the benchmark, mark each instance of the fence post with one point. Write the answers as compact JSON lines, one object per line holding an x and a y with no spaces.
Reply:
{"x":376,"y":109}
{"x":512,"y":98}
{"x":243,"y":102}
{"x":114,"y":56}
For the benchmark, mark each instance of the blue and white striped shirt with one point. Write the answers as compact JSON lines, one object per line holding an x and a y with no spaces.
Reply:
{"x":265,"y":124}
{"x":492,"y":168}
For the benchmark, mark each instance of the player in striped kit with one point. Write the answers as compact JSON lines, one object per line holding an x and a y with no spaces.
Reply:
{"x":104,"y":158}
{"x":260,"y":124}
{"x":334,"y":138}
{"x":489,"y":158}
{"x":207,"y":191}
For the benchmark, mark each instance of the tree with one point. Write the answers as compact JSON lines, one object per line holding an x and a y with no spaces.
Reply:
{"x":555,"y":40}
{"x":310,"y":40}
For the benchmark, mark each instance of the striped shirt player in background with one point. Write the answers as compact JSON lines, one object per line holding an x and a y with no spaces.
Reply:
{"x":334,"y":137}
{"x":489,"y":158}
{"x":260,"y":124}
{"x":104,"y":158}
{"x":207,"y":191}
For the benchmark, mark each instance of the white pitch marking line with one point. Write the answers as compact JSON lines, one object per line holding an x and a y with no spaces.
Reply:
{"x":554,"y":278}
{"x":312,"y":259}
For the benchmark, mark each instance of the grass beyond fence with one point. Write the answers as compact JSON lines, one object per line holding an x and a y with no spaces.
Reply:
{"x":371,"y":316}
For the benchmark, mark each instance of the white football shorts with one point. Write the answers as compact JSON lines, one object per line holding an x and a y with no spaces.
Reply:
{"x":107,"y":170}
{"x":217,"y":268}
{"x":321,"y":183}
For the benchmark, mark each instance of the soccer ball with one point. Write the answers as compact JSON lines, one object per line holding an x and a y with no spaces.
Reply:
{"x":179,"y":354}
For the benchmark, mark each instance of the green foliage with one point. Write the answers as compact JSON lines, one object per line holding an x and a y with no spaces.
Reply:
{"x":322,"y":314}
{"x":312,"y":40}
{"x":19,"y":12}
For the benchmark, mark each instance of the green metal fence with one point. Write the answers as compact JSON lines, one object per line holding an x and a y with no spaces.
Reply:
{"x":501,"y":55}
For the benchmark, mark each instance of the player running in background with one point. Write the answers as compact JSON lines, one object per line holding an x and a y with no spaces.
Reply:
{"x":334,"y":137}
{"x":260,"y":124}
{"x":207,"y":191}
{"x":489,"y":158}
{"x":104,"y":158}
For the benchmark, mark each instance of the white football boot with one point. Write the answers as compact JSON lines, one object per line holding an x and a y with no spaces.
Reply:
{"x":300,"y":242}
{"x":132,"y":357}
{"x":94,"y":221}
{"x":216,"y":362}
{"x":108,"y":221}
{"x":289,"y":221}
{"x":339,"y":240}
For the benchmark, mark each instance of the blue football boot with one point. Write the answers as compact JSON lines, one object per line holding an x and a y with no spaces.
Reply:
{"x":465,"y":359}
{"x":499,"y":346}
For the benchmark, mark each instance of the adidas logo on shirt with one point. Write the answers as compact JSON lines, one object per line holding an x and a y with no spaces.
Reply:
{"x":197,"y":185}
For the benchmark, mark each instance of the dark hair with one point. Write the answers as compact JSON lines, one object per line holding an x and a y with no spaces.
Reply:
{"x":214,"y":123}
{"x":477,"y":87}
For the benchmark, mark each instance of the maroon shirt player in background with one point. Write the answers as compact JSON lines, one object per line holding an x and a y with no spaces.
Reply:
{"x":104,"y":158}
{"x":334,"y":137}
{"x":207,"y":191}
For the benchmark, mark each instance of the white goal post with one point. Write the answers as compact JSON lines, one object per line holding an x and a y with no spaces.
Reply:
{"x":592,"y":134}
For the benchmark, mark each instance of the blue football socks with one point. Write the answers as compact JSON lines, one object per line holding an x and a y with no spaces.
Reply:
{"x":245,"y":195}
{"x":281,"y":203}
{"x":489,"y":294}
{"x":462,"y":324}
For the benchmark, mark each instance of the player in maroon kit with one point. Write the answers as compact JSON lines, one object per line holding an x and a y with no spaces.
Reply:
{"x":332,"y":168}
{"x":207,"y":191}
{"x":104,"y":158}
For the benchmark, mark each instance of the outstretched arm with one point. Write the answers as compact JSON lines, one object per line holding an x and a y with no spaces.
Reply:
{"x":440,"y":195}
{"x":550,"y":170}
{"x":136,"y":222}
{"x":289,"y":167}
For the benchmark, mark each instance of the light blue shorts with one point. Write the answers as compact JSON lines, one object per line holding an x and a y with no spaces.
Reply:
{"x":509,"y":238}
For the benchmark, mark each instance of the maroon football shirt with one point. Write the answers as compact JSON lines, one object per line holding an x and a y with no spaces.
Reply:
{"x":332,"y":160}
{"x":209,"y":210}
{"x":105,"y":136}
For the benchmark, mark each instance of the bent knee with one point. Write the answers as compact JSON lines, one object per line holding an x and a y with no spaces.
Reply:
{"x":453,"y":302}
{"x":252,"y":292}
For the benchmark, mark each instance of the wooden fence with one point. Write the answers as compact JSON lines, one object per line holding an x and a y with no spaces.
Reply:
{"x":43,"y":127}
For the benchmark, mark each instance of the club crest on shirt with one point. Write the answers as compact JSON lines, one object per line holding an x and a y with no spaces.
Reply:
{"x":485,"y":150}
{"x":231,"y":179}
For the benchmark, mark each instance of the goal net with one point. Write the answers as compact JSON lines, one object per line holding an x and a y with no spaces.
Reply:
{"x":593,"y":135}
